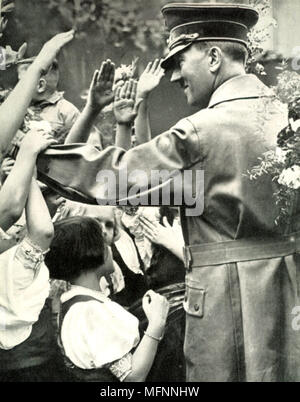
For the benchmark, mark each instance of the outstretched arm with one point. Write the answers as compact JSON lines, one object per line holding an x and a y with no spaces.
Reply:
{"x":148,"y":81}
{"x":39,"y":225}
{"x":100,"y":95}
{"x":20,"y":98}
{"x":14,"y":193}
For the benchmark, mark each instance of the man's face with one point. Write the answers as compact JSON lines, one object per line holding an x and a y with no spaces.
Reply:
{"x":191,"y":71}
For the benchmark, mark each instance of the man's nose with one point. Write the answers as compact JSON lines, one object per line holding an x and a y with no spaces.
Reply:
{"x":176,"y":75}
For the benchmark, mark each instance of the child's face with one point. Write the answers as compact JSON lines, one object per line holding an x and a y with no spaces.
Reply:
{"x":106,"y":217}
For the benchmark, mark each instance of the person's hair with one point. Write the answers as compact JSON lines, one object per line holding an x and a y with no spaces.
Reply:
{"x":236,"y":51}
{"x":78,"y":246}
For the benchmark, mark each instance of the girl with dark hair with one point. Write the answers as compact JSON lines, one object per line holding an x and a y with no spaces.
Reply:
{"x":99,"y":339}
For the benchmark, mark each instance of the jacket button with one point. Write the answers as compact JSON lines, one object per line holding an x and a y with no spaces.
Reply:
{"x":292,"y":239}
{"x":196,"y":307}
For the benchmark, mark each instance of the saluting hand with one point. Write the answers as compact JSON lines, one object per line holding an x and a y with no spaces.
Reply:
{"x":125,"y":108}
{"x":150,"y":79}
{"x":101,"y":90}
{"x":50,"y":50}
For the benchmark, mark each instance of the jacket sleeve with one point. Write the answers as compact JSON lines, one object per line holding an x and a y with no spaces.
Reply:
{"x":83,"y":173}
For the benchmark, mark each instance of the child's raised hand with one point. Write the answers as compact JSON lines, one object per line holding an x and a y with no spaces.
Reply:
{"x":101,"y":90}
{"x":125,"y":108}
{"x":51,"y":48}
{"x":150,"y":79}
{"x":37,"y":141}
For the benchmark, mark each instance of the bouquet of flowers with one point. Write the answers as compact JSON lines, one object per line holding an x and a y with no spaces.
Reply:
{"x":283,"y":164}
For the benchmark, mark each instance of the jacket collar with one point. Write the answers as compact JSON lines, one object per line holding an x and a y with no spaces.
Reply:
{"x":240,"y":87}
{"x":52,"y":100}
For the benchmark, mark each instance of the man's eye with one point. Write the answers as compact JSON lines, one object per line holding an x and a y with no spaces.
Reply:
{"x":109,"y":225}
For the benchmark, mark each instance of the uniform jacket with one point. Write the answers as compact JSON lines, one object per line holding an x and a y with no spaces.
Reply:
{"x":243,"y":280}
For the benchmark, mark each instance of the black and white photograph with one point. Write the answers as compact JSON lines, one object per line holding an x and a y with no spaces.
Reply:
{"x":149,"y":194}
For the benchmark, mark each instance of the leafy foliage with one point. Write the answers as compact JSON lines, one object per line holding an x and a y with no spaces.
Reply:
{"x":260,"y":33}
{"x":282,"y":164}
{"x":6,"y":6}
{"x":115,"y":21}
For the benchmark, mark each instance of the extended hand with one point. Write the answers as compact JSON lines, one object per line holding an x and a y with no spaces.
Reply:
{"x":37,"y":141}
{"x":101,"y":90}
{"x":125,"y":109}
{"x":49,"y":51}
{"x":150,"y":79}
{"x":157,"y":233}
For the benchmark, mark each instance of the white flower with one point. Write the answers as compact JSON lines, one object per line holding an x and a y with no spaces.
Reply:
{"x":295,"y":124}
{"x":290,"y":177}
{"x":280,"y":155}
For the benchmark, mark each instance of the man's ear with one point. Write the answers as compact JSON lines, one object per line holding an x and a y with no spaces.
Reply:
{"x":215,"y":59}
{"x":42,"y":86}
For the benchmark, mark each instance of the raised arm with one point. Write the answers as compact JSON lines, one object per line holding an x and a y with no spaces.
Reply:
{"x":20,"y":98}
{"x":125,"y":111}
{"x":148,"y":81}
{"x":100,"y":95}
{"x":156,"y":308}
{"x":14,"y":193}
{"x":164,"y":235}
{"x":39,"y":225}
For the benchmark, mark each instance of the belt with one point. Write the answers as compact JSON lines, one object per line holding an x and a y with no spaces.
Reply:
{"x":203,"y":255}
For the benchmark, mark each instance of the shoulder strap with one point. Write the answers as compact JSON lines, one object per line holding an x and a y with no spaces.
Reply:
{"x":65,"y":307}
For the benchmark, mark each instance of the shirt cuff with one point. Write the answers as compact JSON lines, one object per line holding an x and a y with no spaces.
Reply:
{"x":122,"y":368}
{"x":30,"y":254}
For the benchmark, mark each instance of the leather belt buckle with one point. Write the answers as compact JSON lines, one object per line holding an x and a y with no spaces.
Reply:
{"x":187,"y":258}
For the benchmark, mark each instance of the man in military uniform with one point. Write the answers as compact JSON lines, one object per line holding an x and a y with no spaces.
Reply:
{"x":242,"y":279}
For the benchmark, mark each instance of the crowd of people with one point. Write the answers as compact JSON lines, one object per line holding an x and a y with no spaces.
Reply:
{"x":70,"y":271}
{"x":57,"y":254}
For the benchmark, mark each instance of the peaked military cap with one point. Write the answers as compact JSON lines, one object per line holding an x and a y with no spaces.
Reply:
{"x":194,"y":22}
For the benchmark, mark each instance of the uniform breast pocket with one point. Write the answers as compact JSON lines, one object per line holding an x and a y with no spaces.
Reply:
{"x":194,"y":299}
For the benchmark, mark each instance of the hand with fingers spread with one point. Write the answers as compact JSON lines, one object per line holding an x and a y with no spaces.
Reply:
{"x":155,"y":232}
{"x":164,"y":235}
{"x":101,"y":90}
{"x":150,"y":79}
{"x":50,"y":50}
{"x":125,"y":108}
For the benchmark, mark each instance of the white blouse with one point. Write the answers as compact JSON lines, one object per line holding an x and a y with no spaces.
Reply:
{"x":24,"y":288}
{"x":96,"y":334}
